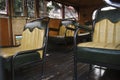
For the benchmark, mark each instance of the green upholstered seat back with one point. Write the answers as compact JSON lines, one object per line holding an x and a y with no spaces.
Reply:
{"x":107,"y":27}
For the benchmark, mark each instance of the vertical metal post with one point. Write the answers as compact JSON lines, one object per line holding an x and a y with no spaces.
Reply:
{"x":2,"y":74}
{"x":75,"y":55}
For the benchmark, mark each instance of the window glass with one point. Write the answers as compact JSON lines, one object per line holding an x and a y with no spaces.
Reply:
{"x":41,"y":10}
{"x":18,"y":7}
{"x":70,"y":12}
{"x":3,"y":8}
{"x":54,"y":10}
{"x":30,"y":8}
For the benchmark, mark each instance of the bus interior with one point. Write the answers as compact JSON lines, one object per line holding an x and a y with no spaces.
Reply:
{"x":59,"y":40}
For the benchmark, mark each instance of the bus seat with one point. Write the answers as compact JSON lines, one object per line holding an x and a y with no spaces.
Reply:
{"x":66,"y":30}
{"x":32,"y":48}
{"x":104,"y":49}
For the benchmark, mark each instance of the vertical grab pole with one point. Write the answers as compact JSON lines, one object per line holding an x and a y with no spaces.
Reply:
{"x":75,"y":55}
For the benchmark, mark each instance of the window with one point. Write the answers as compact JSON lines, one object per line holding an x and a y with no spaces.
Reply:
{"x":70,"y":12}
{"x":30,"y":8}
{"x":18,"y":8}
{"x":54,"y":9}
{"x":21,"y":5}
{"x":3,"y":8}
{"x":41,"y":9}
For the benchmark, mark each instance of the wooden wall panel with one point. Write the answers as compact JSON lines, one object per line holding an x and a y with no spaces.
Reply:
{"x":5,"y":37}
{"x":18,"y":24}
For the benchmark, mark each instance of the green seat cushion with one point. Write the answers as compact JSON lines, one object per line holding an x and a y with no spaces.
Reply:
{"x":21,"y":60}
{"x":97,"y":55}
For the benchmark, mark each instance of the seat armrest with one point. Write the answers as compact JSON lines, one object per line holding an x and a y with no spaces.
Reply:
{"x":83,"y":27}
{"x":69,"y":28}
{"x":86,"y":34}
{"x":53,"y":29}
{"x":27,"y":52}
{"x":86,"y":28}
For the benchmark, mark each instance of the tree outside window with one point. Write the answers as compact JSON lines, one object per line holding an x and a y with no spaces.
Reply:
{"x":3,"y":8}
{"x":30,"y":8}
{"x":54,"y":10}
{"x":70,"y":12}
{"x":41,"y":8}
{"x":18,"y":8}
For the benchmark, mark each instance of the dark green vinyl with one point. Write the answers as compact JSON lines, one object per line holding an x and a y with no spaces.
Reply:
{"x":97,"y":55}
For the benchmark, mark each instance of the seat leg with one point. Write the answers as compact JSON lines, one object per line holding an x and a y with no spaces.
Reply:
{"x":90,"y":67}
{"x":89,"y":70}
{"x":12,"y":69}
{"x":75,"y":73}
{"x":2,"y":75}
{"x":75,"y":77}
{"x":43,"y":68}
{"x":43,"y":65}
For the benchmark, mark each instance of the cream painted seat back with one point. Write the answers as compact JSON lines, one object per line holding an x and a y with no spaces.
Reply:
{"x":104,"y":49}
{"x":65,"y":28}
{"x":106,"y":31}
{"x":66,"y":32}
{"x":34,"y":36}
{"x":32,"y":39}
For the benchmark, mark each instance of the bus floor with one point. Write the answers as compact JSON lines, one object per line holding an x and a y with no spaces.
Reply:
{"x":59,"y":66}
